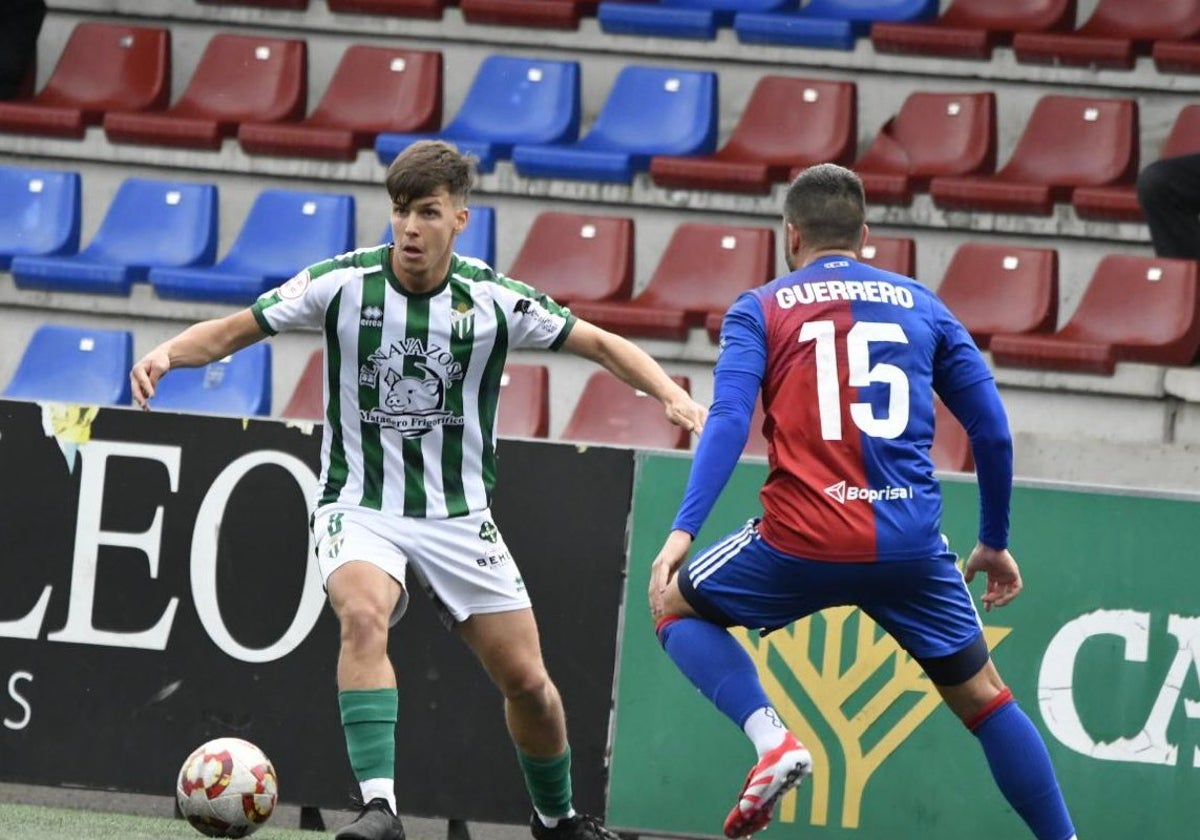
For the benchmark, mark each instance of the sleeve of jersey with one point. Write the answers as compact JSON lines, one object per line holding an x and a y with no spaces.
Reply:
{"x":736,"y":383}
{"x":534,"y":319}
{"x":299,"y":302}
{"x":979,"y":409}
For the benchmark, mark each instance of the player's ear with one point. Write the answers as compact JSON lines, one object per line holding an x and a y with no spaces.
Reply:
{"x":863,"y":238}
{"x":461,"y":216}
{"x":795,"y":242}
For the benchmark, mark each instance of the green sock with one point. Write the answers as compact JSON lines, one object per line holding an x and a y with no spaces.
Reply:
{"x":369,"y":721}
{"x":549,"y":782}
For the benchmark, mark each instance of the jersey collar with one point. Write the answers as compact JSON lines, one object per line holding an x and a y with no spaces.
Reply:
{"x":395,"y":283}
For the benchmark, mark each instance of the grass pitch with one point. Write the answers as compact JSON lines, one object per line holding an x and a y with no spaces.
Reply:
{"x":35,"y":822}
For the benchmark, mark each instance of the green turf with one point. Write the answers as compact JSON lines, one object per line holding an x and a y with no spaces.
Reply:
{"x":33,"y":822}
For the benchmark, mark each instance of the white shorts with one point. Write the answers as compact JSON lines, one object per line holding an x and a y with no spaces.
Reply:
{"x":461,"y":562}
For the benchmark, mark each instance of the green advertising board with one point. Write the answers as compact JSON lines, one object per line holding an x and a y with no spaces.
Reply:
{"x":1101,"y":650}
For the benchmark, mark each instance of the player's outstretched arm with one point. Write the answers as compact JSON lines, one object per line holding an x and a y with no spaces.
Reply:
{"x":198,"y":345}
{"x":1000,"y":569}
{"x":636,"y":368}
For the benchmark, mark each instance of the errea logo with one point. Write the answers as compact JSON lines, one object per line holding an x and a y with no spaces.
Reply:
{"x":372,"y":316}
{"x":842,"y":493}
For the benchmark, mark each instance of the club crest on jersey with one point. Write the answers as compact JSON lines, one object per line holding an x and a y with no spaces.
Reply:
{"x":413,"y":379}
{"x":462,"y":318}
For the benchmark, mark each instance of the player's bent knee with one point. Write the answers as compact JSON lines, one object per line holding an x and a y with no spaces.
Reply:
{"x":363,"y":624}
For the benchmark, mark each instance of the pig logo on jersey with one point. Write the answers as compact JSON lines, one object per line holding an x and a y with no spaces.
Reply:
{"x":530,"y":308}
{"x":412,"y":379}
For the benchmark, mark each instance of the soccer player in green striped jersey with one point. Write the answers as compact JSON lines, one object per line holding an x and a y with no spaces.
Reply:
{"x":415,"y":342}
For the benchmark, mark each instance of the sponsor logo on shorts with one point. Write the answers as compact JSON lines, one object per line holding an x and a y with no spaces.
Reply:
{"x":488,"y":532}
{"x":493,"y":560}
{"x":842,"y":493}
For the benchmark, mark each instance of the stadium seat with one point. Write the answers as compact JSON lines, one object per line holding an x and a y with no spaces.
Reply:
{"x":897,"y":254}
{"x":373,"y":90}
{"x":103,"y":67}
{"x":1135,"y":309}
{"x":239,"y":78}
{"x":1177,"y":56}
{"x":284,"y":231}
{"x":576,"y":257}
{"x":1069,"y":142}
{"x":1121,"y":203}
{"x":786,"y":123}
{"x":428,"y":9}
{"x":698,"y":19}
{"x":973,"y":28}
{"x":39,"y":212}
{"x":511,"y":100}
{"x":951,"y":449}
{"x":649,"y":111}
{"x":1116,"y":33}
{"x":611,"y":412}
{"x":539,"y":14}
{"x":74,"y":364}
{"x":307,"y":401}
{"x":996,"y":289}
{"x":703,"y":269}
{"x":239,"y":384}
{"x":932,"y":134}
{"x":524,"y":402}
{"x":149,"y":223}
{"x":834,"y":24}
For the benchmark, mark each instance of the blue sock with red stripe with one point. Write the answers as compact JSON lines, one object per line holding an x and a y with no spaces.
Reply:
{"x":1021,"y":767}
{"x":715,"y":663}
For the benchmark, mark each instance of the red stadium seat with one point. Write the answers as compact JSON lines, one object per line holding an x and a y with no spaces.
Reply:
{"x":103,"y":67}
{"x":1121,"y":203}
{"x":1135,"y":309}
{"x":1002,"y":289}
{"x":703,"y":269}
{"x":951,"y":448}
{"x":1117,"y":32}
{"x":240,"y":78}
{"x":897,"y":254}
{"x":576,"y":257}
{"x":933,"y":134}
{"x":1069,"y":142}
{"x":787,"y":124}
{"x":972,"y":28}
{"x":307,"y":401}
{"x":1177,"y":56}
{"x":429,"y":9}
{"x":524,"y":401}
{"x":373,"y":89}
{"x":541,"y":14}
{"x":611,"y":412}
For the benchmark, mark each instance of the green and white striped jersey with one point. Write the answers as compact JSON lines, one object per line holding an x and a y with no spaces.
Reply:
{"x":412,"y":380}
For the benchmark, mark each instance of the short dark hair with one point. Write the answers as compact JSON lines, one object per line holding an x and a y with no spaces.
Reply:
{"x":427,"y":165}
{"x":827,"y":205}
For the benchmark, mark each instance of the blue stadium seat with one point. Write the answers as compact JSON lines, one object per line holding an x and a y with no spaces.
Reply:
{"x":284,"y":231}
{"x":76,"y":365}
{"x":478,"y":240}
{"x":828,"y":23}
{"x":697,"y":19}
{"x":649,"y":111}
{"x":239,"y":384}
{"x":511,"y":100}
{"x":39,"y":212}
{"x":149,"y":223}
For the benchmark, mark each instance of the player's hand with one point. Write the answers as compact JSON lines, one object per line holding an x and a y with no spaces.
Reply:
{"x":683,"y":411}
{"x":1003,"y":575}
{"x":670,"y":558}
{"x":143,"y":379}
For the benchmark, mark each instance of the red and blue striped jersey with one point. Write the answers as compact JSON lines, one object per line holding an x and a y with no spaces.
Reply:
{"x":848,"y":358}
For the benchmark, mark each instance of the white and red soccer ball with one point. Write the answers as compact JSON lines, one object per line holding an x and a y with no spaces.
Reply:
{"x":227,"y":788}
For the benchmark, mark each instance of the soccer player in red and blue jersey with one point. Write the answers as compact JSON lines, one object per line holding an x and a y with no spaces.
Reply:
{"x":848,"y":359}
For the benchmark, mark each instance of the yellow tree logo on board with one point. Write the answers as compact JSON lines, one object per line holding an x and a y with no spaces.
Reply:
{"x":866,"y":690}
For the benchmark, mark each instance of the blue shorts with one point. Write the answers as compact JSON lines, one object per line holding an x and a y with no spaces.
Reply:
{"x":923,"y":604}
